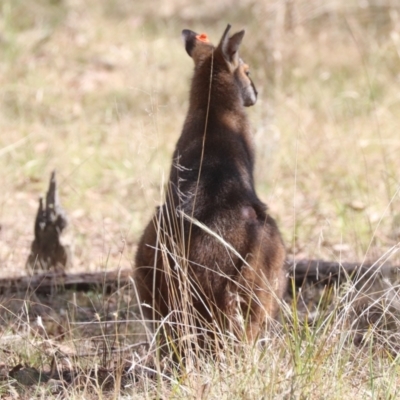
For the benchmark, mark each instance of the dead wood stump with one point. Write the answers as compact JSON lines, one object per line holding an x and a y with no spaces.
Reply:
{"x":47,"y":250}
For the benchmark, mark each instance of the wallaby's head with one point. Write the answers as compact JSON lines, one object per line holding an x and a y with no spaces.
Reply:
{"x":228,"y":67}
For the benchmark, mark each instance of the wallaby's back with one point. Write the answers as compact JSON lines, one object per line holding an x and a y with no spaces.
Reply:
{"x":212,"y":245}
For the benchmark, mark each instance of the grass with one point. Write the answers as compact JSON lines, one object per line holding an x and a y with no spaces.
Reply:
{"x":98,"y":90}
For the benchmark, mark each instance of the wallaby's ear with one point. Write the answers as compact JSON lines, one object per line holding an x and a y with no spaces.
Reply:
{"x":229,"y":46}
{"x":190,"y":38}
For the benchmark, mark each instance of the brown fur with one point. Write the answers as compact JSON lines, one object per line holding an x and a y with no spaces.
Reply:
{"x":181,"y":264}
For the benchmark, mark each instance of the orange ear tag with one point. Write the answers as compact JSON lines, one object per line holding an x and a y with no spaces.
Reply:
{"x":203,"y":38}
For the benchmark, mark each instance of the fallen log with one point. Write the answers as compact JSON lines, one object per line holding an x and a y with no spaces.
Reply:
{"x":333,"y":272}
{"x":51,"y":282}
{"x":316,"y":272}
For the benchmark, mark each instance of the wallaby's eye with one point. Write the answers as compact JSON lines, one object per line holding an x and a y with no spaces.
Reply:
{"x":247,"y":72}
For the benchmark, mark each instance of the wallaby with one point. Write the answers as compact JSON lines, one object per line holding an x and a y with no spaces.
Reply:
{"x":213,"y":245}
